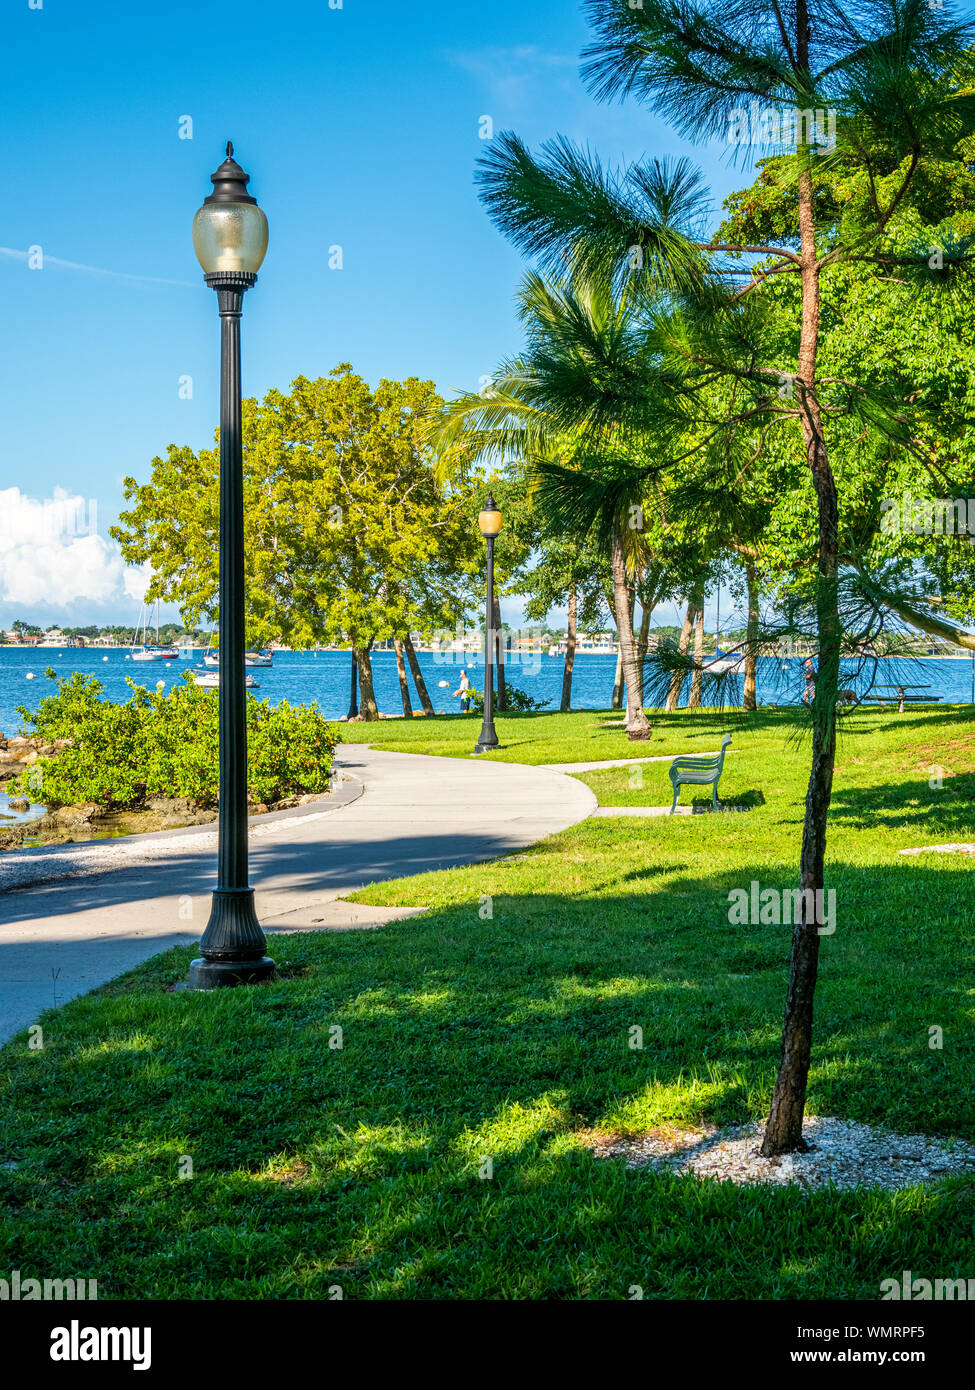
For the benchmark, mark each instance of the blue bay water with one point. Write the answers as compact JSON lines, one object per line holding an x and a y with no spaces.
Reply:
{"x":301,"y":677}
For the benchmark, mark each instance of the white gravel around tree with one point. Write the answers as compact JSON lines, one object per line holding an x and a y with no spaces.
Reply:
{"x":842,"y":1153}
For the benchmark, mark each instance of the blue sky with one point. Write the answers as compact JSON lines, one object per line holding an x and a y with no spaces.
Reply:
{"x":359,"y":126}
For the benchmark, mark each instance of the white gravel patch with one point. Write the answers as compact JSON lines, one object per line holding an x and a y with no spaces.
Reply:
{"x":843,"y":1154}
{"x":941,"y":849}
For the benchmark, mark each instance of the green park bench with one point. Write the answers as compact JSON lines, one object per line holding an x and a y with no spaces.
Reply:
{"x":698,"y":771}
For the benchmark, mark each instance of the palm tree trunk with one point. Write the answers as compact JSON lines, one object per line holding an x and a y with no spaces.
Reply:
{"x":617,"y":701}
{"x":404,"y":685}
{"x":637,"y":725}
{"x":421,"y":685}
{"x":695,"y":698}
{"x":677,"y":680}
{"x":749,"y":699}
{"x":783,"y":1132}
{"x":368,"y":709}
{"x":570,"y":652}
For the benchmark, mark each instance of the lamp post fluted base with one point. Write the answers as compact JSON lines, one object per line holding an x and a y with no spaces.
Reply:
{"x":232,"y":945}
{"x":487,"y":740}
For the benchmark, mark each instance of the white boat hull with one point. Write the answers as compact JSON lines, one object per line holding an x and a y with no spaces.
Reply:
{"x":210,"y":680}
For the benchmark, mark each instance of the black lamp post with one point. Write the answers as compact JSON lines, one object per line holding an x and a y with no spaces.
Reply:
{"x":489,"y":522}
{"x":230,"y":240}
{"x":353,"y":690}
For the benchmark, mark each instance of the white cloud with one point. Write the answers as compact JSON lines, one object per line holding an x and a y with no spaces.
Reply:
{"x":52,"y":556}
{"x":13,"y":254}
{"x":136,"y":581}
{"x":511,"y":74}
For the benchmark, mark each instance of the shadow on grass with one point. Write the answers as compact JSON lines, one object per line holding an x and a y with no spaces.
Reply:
{"x":945,"y":810}
{"x":435,"y":1147}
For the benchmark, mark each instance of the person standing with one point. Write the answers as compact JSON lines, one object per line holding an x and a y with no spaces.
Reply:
{"x":809,"y":692}
{"x":464,"y":691}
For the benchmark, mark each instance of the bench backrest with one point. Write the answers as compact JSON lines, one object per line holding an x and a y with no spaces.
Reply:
{"x":691,"y":767}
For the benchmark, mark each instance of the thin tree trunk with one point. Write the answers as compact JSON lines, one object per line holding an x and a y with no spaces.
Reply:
{"x":643,"y":643}
{"x":749,"y":699}
{"x":367,"y":696}
{"x":421,"y":685}
{"x":637,"y":724}
{"x":570,"y":653}
{"x":677,"y":679}
{"x":643,"y":640}
{"x":502,"y":701}
{"x":783,"y":1133}
{"x":404,"y":685}
{"x":695,"y":697}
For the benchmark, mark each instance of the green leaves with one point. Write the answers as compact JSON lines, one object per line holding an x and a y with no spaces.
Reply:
{"x":564,"y":206}
{"x":166,"y":745}
{"x":347,"y":527}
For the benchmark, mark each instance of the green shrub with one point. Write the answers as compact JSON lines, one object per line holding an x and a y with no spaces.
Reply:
{"x":166,"y":745}
{"x":516,"y":700}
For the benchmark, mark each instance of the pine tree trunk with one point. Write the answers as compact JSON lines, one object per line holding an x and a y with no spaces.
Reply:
{"x":637,"y":724}
{"x":783,"y":1133}
{"x":677,"y":679}
{"x":695,"y":698}
{"x":404,"y":685}
{"x":367,"y":696}
{"x":501,"y":703}
{"x":421,"y":686}
{"x":570,"y":653}
{"x":749,"y":698}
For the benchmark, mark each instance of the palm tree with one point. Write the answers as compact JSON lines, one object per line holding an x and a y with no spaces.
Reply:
{"x":886,"y":77}
{"x":570,"y":407}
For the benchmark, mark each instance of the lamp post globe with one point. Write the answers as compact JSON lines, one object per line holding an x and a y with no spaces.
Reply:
{"x":230,"y":240}
{"x":489,"y":523}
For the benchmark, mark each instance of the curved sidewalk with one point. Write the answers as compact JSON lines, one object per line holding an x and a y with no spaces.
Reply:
{"x":103,"y":907}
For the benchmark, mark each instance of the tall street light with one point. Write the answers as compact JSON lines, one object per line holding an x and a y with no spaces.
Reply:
{"x":230,"y":240}
{"x":489,"y":522}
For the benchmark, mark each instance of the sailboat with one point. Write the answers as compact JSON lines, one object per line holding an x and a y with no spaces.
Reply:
{"x":722,"y":663}
{"x":147,"y":652}
{"x":210,"y":680}
{"x":212,"y":659}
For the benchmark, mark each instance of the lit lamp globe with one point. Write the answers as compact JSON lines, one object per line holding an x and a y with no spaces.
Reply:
{"x":230,"y":230}
{"x":489,"y":520}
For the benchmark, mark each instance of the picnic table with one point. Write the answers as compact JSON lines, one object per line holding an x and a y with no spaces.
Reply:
{"x":902,"y":696}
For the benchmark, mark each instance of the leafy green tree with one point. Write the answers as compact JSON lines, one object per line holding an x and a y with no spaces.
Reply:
{"x":347,"y":529}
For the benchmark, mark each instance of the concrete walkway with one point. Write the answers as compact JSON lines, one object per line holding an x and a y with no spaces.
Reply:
{"x":628,"y":762}
{"x":102,"y":908}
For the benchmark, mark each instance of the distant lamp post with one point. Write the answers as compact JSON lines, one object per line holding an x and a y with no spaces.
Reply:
{"x":230,"y":240}
{"x":489,"y":522}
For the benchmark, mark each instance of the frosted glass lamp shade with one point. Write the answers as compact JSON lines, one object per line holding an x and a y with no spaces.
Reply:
{"x":230,"y":236}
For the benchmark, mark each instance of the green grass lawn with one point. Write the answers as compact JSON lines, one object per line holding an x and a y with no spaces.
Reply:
{"x":583,"y":736}
{"x":469,"y":1036}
